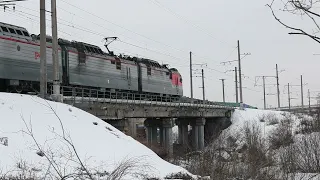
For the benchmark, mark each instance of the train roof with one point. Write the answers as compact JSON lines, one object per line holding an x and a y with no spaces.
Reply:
{"x":14,"y":31}
{"x":150,"y":62}
{"x":13,"y":26}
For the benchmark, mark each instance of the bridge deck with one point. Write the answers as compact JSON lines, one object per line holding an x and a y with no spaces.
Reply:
{"x":77,"y":100}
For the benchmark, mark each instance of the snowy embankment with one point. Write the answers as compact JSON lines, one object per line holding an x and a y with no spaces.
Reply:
{"x":266,"y":120}
{"x":282,"y":135}
{"x":47,"y":139}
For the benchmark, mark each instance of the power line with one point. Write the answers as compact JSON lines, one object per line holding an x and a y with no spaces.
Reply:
{"x":186,"y":20}
{"x":122,"y":27}
{"x":34,"y":20}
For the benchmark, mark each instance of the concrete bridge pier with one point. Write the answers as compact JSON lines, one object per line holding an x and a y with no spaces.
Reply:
{"x":183,"y":131}
{"x":165,"y":133}
{"x":161,"y":136}
{"x":198,"y":133}
{"x":152,"y":131}
{"x":167,"y":124}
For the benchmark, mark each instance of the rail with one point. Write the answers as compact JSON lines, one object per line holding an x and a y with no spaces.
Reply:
{"x":87,"y":95}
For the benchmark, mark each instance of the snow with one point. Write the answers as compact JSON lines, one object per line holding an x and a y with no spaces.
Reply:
{"x":261,"y":118}
{"x":100,"y":146}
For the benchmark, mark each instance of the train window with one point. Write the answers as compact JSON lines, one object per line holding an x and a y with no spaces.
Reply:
{"x":87,"y":48}
{"x":12,"y":31}
{"x":90,"y":49}
{"x":113,"y":61}
{"x":167,"y":73}
{"x":4,"y":29}
{"x":149,"y":70}
{"x":96,"y":50}
{"x":181,"y":79}
{"x":118,"y":64}
{"x":19,"y":32}
{"x":100,"y":51}
{"x":25,"y":33}
{"x":170,"y":75}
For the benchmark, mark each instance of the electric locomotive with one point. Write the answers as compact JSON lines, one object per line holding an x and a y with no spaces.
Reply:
{"x":80,"y":65}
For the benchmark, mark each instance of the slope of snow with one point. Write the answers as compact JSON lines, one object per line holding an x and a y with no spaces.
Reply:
{"x":254,"y":116}
{"x":99,"y":145}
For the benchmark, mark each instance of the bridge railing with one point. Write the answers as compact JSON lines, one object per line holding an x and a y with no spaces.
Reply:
{"x":87,"y":95}
{"x":294,"y":107}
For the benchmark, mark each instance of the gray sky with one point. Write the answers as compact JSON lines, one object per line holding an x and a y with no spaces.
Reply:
{"x":167,"y":32}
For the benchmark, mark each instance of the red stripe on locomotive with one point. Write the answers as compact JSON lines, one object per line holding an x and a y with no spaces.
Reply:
{"x":176,"y":79}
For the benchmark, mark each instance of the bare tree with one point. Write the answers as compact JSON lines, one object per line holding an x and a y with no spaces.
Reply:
{"x":302,"y":9}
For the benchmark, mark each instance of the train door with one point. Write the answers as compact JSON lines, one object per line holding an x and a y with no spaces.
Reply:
{"x":129,"y":77}
{"x":65,"y":65}
{"x":139,"y":77}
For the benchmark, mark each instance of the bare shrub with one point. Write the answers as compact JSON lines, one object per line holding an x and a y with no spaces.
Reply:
{"x":262,"y":118}
{"x":179,"y":175}
{"x":256,"y":154}
{"x":309,"y":125}
{"x":272,"y":119}
{"x":281,"y":136}
{"x":22,"y":171}
{"x":132,"y":167}
{"x":211,"y":161}
{"x":301,"y":157}
{"x":269,"y":118}
{"x":288,"y":161}
{"x":308,"y":153}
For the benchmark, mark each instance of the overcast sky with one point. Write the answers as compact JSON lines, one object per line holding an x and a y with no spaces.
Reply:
{"x":166,"y":30}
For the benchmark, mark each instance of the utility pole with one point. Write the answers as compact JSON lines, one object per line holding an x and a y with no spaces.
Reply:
{"x":236,"y":78}
{"x":55,"y":61}
{"x":301,"y":93}
{"x":203,"y":90}
{"x":264,"y":93}
{"x":309,"y":99}
{"x":223,"y":95}
{"x":240,"y":80}
{"x":289,"y":99}
{"x":278,"y":90}
{"x":43,"y":49}
{"x":191,"y":77}
{"x":264,"y":88}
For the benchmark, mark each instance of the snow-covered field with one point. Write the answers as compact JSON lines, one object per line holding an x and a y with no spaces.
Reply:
{"x":100,"y":146}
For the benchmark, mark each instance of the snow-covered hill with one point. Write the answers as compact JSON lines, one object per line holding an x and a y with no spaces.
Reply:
{"x":32,"y":133}
{"x":265,"y":120}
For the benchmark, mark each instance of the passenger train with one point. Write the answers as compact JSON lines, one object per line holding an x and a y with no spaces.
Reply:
{"x":81,"y":65}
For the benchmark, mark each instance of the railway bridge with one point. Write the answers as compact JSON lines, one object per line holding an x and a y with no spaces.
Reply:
{"x":158,"y":114}
{"x":307,"y":109}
